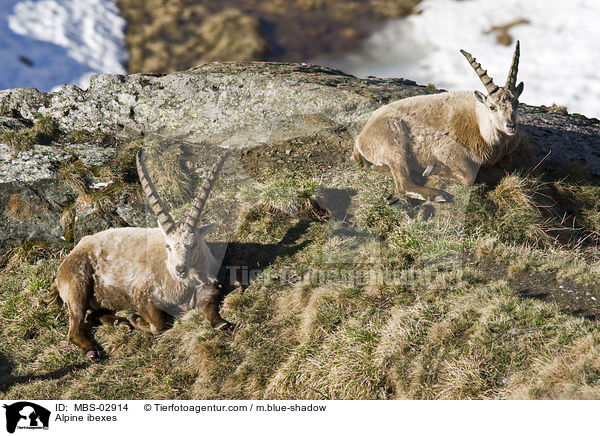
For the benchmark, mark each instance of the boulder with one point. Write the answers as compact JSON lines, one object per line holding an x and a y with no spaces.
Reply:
{"x":252,"y":106}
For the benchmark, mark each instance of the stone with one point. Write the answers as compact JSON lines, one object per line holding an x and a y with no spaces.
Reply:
{"x":266,"y":110}
{"x":31,"y":165}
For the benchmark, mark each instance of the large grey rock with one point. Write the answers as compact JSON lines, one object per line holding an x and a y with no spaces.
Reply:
{"x":237,"y":104}
{"x":91,"y":154}
{"x":32,"y":165}
{"x":33,"y":199}
{"x":244,"y":104}
{"x":32,"y":211}
{"x":560,"y":139}
{"x":253,"y":106}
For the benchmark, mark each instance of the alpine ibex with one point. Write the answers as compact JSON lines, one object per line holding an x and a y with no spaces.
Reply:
{"x":148,"y":270}
{"x":453,"y":133}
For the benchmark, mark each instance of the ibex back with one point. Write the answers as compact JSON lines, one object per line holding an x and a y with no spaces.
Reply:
{"x":147,"y":270}
{"x":451,"y":133}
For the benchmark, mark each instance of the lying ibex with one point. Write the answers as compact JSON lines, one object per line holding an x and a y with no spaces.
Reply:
{"x":453,"y":133}
{"x":148,"y":270}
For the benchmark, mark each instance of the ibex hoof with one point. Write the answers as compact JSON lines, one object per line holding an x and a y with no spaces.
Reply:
{"x":391,"y":199}
{"x":440,"y":198}
{"x":93,"y":354}
{"x":120,"y":321}
{"x":223,"y":325}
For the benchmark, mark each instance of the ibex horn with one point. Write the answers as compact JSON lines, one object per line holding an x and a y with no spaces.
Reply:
{"x":158,"y":207}
{"x":485,"y":79}
{"x":514,"y":68}
{"x":198,"y":206}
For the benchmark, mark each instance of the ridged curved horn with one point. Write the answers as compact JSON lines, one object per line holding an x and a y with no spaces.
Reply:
{"x":158,"y":207}
{"x":485,"y":79}
{"x":511,"y":81}
{"x":192,"y":219}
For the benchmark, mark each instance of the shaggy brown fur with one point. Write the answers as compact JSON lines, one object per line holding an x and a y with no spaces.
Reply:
{"x":453,"y":133}
{"x":465,"y":127}
{"x":103,"y":274}
{"x":147,"y":270}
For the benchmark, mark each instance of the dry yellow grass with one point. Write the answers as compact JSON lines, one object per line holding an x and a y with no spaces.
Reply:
{"x":169,"y":35}
{"x":452,"y":324}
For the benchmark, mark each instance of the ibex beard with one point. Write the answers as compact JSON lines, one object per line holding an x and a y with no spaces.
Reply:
{"x":451,"y":134}
{"x":151,"y":271}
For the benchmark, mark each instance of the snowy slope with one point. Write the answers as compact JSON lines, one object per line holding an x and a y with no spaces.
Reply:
{"x":49,"y":42}
{"x":560,"y":48}
{"x":46,"y":43}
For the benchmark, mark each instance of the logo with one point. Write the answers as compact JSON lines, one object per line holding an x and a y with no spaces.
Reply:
{"x":26,"y":415}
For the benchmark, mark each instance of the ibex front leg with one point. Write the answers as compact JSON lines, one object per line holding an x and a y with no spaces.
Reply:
{"x":108,"y":318}
{"x":405,"y":185}
{"x":150,"y":319}
{"x":211,"y":312}
{"x":458,"y":166}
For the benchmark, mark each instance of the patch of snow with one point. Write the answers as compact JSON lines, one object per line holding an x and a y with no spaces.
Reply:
{"x":560,"y":53}
{"x":46,"y":43}
{"x":99,"y":185}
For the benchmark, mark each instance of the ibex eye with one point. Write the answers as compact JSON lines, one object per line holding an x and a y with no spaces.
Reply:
{"x":492,"y":108}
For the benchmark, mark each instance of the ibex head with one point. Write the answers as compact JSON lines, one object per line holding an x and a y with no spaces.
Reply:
{"x":502,"y":102}
{"x":182,"y":238}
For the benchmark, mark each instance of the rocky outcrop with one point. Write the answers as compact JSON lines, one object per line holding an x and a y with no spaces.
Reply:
{"x":251,"y":106}
{"x":234,"y":104}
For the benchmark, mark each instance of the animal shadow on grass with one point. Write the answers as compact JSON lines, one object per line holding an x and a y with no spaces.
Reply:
{"x":244,"y":260}
{"x":7,"y":380}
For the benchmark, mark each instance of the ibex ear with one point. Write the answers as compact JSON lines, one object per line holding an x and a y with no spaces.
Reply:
{"x":519,"y":89}
{"x":201,"y":231}
{"x":479,"y":96}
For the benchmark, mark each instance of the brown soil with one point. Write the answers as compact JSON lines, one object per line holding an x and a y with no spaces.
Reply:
{"x":168,"y":35}
{"x":566,"y":294}
{"x":310,"y":156}
{"x":502,"y":32}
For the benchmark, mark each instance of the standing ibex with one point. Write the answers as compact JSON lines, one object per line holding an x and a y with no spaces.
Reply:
{"x":452,"y":132}
{"x":148,"y":270}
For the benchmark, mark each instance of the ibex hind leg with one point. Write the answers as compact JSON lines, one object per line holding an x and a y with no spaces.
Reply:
{"x":76,"y":290}
{"x":359,"y":158}
{"x":76,"y":332}
{"x":364,"y":163}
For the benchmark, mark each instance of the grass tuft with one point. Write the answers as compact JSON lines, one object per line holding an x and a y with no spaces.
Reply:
{"x":44,"y":131}
{"x":170,"y":176}
{"x":519,"y":209}
{"x":287,"y":195}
